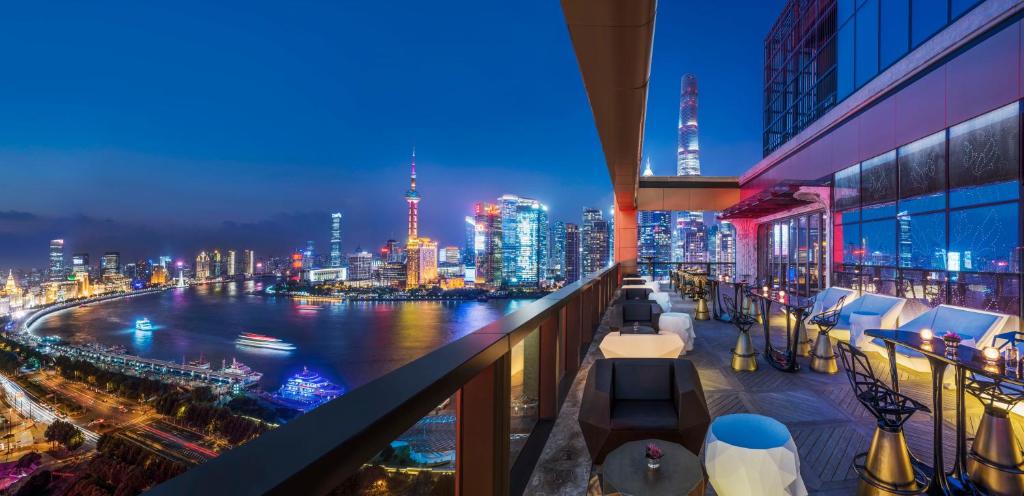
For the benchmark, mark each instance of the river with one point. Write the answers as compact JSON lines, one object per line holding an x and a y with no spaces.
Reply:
{"x":350,"y":343}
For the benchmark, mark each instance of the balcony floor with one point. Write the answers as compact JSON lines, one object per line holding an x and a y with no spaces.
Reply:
{"x":827,"y":422}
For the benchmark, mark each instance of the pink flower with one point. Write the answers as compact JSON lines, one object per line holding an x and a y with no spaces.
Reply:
{"x":951,"y":336}
{"x":654,"y":452}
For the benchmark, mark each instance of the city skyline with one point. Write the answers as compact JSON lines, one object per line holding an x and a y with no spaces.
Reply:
{"x":289,"y":150}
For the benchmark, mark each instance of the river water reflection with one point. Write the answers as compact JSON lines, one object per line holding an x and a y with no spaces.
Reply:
{"x":348,"y":343}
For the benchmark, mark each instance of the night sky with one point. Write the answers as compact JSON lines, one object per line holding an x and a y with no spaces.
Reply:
{"x":159,"y":129}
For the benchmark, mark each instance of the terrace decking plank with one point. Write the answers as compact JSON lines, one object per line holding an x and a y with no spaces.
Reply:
{"x":828,"y":424}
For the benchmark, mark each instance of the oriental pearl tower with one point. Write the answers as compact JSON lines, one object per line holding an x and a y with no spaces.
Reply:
{"x":412,"y":197}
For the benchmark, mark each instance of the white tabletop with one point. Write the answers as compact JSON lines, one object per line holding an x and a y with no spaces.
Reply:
{"x":663,"y":345}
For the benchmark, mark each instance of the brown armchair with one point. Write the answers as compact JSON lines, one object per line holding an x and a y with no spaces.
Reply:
{"x":629,"y":399}
{"x":644,"y":313}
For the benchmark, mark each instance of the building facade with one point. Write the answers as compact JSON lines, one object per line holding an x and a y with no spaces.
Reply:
{"x":594,"y":241}
{"x":524,"y":228}
{"x":360,"y":266}
{"x":572,"y":253}
{"x":556,"y":250}
{"x":488,"y":246}
{"x":894,"y":168}
{"x":110,"y":264}
{"x":335,"y":240}
{"x":56,"y":265}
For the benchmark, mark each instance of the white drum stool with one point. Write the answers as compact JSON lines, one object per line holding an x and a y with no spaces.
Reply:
{"x":681,"y":324}
{"x":752,"y":454}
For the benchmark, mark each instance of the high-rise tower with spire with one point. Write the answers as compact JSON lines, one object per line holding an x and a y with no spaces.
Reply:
{"x":412,"y":197}
{"x":688,"y":153}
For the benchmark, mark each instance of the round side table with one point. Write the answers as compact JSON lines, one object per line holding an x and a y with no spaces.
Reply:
{"x":625,"y":471}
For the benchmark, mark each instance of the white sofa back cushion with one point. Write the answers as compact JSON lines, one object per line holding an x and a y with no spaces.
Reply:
{"x":971,"y":324}
{"x":829,"y":297}
{"x":888,"y":307}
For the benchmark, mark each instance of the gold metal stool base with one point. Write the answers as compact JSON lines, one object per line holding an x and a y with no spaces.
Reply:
{"x":803,"y":342}
{"x":888,"y":465}
{"x":994,"y":457}
{"x":702,"y":312}
{"x":823,"y":358}
{"x":744,"y":358}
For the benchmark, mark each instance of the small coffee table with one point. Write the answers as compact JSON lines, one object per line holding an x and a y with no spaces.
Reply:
{"x":625,"y":470}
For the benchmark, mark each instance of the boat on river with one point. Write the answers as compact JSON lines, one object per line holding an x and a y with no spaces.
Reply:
{"x":255,"y":340}
{"x":143,"y":324}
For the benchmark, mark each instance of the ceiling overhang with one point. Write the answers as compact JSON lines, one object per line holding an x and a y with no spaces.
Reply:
{"x":689,"y":193}
{"x":613,"y":40}
{"x":773,"y":200}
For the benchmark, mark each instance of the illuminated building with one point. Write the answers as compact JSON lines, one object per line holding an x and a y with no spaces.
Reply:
{"x":159,"y":276}
{"x":327,"y":275}
{"x":203,"y":270}
{"x":248,"y":263}
{"x":572,"y":253}
{"x":654,"y":233}
{"x":216,"y":264}
{"x":594,"y":241}
{"x":231,"y":263}
{"x":392,"y":274}
{"x":308,"y":256}
{"x":110,"y":264}
{"x":524,"y":241}
{"x":469,"y":248}
{"x":421,"y":263}
{"x":164,"y":261}
{"x":336,"y":239}
{"x":412,"y":197}
{"x":488,"y":245}
{"x":452,"y":255}
{"x":722,"y":247}
{"x":556,"y":250}
{"x":359,"y":266}
{"x":11,"y":286}
{"x":295,"y":267}
{"x":694,"y":239}
{"x":80,"y":263}
{"x":56,"y":268}
{"x":688,"y":152}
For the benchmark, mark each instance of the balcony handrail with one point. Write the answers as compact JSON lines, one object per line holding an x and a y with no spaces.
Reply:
{"x":319,"y":450}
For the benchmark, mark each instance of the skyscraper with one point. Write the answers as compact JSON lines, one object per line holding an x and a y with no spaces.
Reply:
{"x":556,"y":250}
{"x":308,"y":256}
{"x":594,"y":241}
{"x":56,"y":271}
{"x":202,"y":266}
{"x":572,"y":253}
{"x":452,"y":255}
{"x":80,"y":263}
{"x":110,"y":264}
{"x":216,"y":264}
{"x":336,"y":239}
{"x":688,"y":153}
{"x":412,"y":197}
{"x":469,"y":247}
{"x":231,"y":263}
{"x":248,"y":263}
{"x":654,"y":233}
{"x":359,"y":265}
{"x":524,"y":241}
{"x":487,"y":245}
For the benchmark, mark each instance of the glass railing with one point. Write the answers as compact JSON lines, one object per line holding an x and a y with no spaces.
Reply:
{"x":468,"y":418}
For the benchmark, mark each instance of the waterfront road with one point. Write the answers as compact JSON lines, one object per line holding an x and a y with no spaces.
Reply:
{"x":22,"y":401}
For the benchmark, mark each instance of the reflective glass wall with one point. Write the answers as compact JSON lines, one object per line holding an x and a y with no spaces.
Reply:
{"x":791,"y":253}
{"x":820,"y":51}
{"x":937,"y":220}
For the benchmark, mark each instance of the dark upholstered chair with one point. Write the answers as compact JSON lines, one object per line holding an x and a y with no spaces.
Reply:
{"x":644,"y":313}
{"x":630,"y":294}
{"x":629,"y":399}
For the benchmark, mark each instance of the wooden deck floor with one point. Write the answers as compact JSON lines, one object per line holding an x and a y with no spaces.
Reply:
{"x":828,"y":424}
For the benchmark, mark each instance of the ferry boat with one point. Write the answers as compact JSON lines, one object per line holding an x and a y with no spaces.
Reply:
{"x":246,"y":375}
{"x":143,"y":324}
{"x":307,"y":390}
{"x":263,"y":341}
{"x":200,"y":363}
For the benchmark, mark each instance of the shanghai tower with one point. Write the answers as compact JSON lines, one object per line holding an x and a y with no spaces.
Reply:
{"x":688,"y":154}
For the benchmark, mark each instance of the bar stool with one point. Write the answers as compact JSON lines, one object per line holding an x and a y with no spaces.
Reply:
{"x":995,"y":463}
{"x":702,"y":313}
{"x":823,"y":358}
{"x":744,"y":357}
{"x":887,"y":468}
{"x":803,"y":339}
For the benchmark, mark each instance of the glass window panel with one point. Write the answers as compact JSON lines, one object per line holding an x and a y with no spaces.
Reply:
{"x":923,"y":166}
{"x":985,"y":149}
{"x":879,"y":280}
{"x":984,"y":239}
{"x":525,"y":391}
{"x":848,"y":243}
{"x":884,"y":211}
{"x":867,"y":42}
{"x":846,"y":276}
{"x":922,"y":241}
{"x":844,"y":69}
{"x":878,"y":242}
{"x":846,"y":189}
{"x":923,"y":288}
{"x":894,"y":30}
{"x":878,"y":179}
{"x":961,"y":6}
{"x":845,"y":8}
{"x":928,"y":17}
{"x":992,"y":292}
{"x":989,"y":193}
